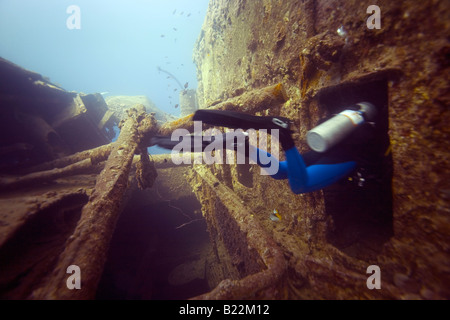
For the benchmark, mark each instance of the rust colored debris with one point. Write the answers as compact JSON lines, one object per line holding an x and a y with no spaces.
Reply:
{"x":88,"y":165}
{"x":145,"y":171}
{"x":88,"y":245}
{"x":82,"y":167}
{"x":98,"y":154}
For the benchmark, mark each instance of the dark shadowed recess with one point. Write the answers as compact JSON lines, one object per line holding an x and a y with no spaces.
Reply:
{"x":147,"y":245}
{"x":361,"y":205}
{"x":27,"y":257}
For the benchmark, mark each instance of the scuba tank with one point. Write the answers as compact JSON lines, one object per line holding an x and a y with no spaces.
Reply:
{"x":331,"y":132}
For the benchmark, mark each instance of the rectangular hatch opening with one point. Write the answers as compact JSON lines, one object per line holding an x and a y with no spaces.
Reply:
{"x":361,"y":205}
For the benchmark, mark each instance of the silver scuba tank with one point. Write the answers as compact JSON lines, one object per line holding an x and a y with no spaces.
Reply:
{"x":334,"y":130}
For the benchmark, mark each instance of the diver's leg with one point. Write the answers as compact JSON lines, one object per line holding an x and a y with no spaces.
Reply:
{"x":324,"y":175}
{"x":297,"y":173}
{"x":306,"y":179}
{"x":314,"y":177}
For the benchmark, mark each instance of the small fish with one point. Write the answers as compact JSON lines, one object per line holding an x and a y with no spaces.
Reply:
{"x":275,"y":216}
{"x":176,"y":106}
{"x":174,"y":11}
{"x":186,"y":85}
{"x":189,"y":15}
{"x":181,"y":13}
{"x":175,"y":89}
{"x":342,"y":32}
{"x":175,"y":29}
{"x":162,"y":36}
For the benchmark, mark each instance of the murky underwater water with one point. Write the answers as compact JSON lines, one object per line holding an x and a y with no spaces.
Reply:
{"x":149,"y":258}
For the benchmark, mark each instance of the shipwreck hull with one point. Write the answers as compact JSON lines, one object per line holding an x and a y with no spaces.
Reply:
{"x":70,"y":206}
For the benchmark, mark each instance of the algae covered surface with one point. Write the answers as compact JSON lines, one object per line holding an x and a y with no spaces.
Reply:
{"x":330,"y":237}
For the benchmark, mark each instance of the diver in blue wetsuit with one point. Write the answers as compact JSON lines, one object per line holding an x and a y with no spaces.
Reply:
{"x":328,"y":162}
{"x":306,"y":178}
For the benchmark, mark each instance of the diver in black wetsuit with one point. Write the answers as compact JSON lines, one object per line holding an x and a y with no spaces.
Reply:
{"x":312,"y":171}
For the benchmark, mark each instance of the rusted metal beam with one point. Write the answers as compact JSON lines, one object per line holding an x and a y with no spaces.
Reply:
{"x":82,"y":167}
{"x":249,"y":102}
{"x":87,"y":247}
{"x":163,"y":161}
{"x":257,"y":238}
{"x":86,"y":166}
{"x":96,"y":155}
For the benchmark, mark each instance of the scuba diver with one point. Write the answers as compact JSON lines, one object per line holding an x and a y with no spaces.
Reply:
{"x":336,"y":144}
